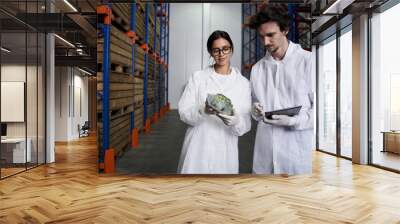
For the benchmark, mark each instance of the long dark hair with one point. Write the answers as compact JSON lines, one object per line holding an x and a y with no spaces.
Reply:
{"x":216,"y":35}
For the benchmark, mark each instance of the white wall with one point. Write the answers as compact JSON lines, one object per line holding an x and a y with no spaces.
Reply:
{"x":61,"y":103}
{"x":190,"y":26}
{"x":228,"y":17}
{"x":33,"y":126}
{"x":185,"y":46}
{"x":15,"y":73}
{"x":69,"y":82}
{"x":13,"y":100}
{"x":79,"y":117}
{"x":18,"y":73}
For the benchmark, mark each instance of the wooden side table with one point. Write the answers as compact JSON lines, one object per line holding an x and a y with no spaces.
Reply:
{"x":391,"y":141}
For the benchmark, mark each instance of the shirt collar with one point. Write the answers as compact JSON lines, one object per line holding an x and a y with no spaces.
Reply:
{"x":231,"y":79}
{"x":289,"y":51}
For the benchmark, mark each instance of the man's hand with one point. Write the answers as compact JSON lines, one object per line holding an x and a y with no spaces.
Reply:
{"x":257,"y":110}
{"x":281,"y":120}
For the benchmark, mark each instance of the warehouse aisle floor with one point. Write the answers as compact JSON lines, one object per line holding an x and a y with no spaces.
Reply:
{"x":159,"y":150}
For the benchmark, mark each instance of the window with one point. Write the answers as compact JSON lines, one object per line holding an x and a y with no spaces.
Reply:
{"x":346,"y":75}
{"x":327,"y":96}
{"x":23,"y":76}
{"x":385,"y":89}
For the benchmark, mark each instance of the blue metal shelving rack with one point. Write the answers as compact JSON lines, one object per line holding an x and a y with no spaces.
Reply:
{"x":251,"y":46}
{"x":134,"y":131}
{"x":133,"y":29}
{"x":167,"y":56}
{"x":162,"y":50}
{"x":106,"y":155}
{"x":146,"y":121}
{"x":293,"y":34}
{"x":159,"y":16}
{"x":163,"y":56}
{"x":155,"y":51}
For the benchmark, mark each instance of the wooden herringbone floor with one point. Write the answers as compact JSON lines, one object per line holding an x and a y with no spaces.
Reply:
{"x":71,"y":191}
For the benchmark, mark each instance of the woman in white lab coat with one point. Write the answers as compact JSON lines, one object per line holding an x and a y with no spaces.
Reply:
{"x":211,"y":140}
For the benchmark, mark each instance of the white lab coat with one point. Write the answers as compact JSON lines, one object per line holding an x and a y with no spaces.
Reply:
{"x":277,"y":85}
{"x":211,"y":147}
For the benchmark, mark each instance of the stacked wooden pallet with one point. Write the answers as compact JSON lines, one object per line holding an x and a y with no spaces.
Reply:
{"x":158,"y":26}
{"x":121,"y":89}
{"x":151,"y":87}
{"x":139,"y":117}
{"x":140,"y":21}
{"x":126,"y":95}
{"x":138,"y":91}
{"x":151,"y":15}
{"x":121,"y":81}
{"x":150,"y":110}
{"x":151,"y":67}
{"x":121,"y":98}
{"x":158,"y":47}
{"x":121,"y":15}
{"x":162,"y":85}
{"x":150,"y":90}
{"x":119,"y":133}
{"x":151,"y":27}
{"x":120,"y":49}
{"x":139,"y":60}
{"x":151,"y":40}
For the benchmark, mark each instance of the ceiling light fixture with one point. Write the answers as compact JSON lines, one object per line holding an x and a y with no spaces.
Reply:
{"x":79,"y":51}
{"x":5,"y":49}
{"x":65,"y":41}
{"x":86,"y":72}
{"x":329,"y":9}
{"x":70,"y":5}
{"x":337,"y":7}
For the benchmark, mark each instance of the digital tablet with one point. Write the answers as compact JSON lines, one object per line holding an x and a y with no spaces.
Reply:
{"x":287,"y":111}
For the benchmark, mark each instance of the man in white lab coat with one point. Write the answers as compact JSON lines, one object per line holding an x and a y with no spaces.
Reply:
{"x":282,"y":79}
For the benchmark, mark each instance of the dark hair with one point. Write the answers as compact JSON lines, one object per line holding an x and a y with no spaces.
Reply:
{"x":216,"y":35}
{"x":270,"y":15}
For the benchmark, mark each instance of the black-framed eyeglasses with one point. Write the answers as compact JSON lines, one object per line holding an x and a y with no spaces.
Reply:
{"x":217,"y":51}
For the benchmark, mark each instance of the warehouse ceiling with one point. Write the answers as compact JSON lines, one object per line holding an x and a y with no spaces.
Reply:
{"x":325,"y":24}
{"x":74,"y":22}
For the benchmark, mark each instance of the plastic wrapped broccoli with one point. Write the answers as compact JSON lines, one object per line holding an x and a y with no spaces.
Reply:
{"x":220,"y":103}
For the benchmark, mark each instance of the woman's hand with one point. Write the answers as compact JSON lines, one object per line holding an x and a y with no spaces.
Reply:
{"x":229,"y":120}
{"x":209,"y":110}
